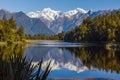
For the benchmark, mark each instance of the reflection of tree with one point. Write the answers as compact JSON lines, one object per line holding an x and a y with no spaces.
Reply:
{"x":13,"y":65}
{"x":9,"y":50}
{"x":99,"y":57}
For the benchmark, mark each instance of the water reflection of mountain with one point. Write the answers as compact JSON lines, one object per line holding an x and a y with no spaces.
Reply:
{"x":98,"y":57}
{"x":71,"y":60}
{"x":76,"y":58}
{"x":61,"y":58}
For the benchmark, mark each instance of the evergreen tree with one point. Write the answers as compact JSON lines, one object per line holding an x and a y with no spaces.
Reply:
{"x":102,"y":28}
{"x":8,"y":30}
{"x":20,"y":32}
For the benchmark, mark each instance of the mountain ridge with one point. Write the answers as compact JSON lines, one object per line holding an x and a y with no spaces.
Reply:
{"x":50,"y":21}
{"x":65,"y":21}
{"x":32,"y":26}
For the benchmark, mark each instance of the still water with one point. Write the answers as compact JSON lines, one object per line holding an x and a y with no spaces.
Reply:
{"x":76,"y":60}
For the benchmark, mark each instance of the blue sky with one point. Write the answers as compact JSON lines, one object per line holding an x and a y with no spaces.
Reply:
{"x":62,"y":5}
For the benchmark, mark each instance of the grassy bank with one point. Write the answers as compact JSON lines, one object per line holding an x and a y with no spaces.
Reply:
{"x":3,"y":43}
{"x":7,"y":43}
{"x":28,"y":42}
{"x":35,"y":41}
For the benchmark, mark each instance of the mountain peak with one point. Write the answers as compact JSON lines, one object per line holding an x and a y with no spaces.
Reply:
{"x":50,"y":15}
{"x":90,"y":11}
{"x":75,"y":11}
{"x":46,"y":13}
{"x":4,"y":10}
{"x":48,"y":9}
{"x":81,"y":10}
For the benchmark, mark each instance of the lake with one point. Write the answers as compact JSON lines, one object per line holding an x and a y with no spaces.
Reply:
{"x":76,"y":60}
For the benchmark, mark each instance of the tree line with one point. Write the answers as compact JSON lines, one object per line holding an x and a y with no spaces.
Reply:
{"x":103,"y":28}
{"x":9,"y":30}
{"x":59,"y":36}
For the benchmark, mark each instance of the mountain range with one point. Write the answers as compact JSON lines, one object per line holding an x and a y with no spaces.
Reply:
{"x":31,"y":25}
{"x":50,"y":21}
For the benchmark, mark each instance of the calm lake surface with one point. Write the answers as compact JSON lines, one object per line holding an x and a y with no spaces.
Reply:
{"x":76,"y":60}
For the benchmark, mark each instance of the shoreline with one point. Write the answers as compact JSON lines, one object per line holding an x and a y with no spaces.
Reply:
{"x":27,"y":42}
{"x":35,"y":41}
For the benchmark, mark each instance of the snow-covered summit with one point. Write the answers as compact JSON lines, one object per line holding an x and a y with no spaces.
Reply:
{"x":75,"y":11}
{"x":59,"y":21}
{"x":49,"y":14}
{"x":46,"y":13}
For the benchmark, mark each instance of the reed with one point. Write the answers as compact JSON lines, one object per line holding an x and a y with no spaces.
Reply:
{"x":17,"y":68}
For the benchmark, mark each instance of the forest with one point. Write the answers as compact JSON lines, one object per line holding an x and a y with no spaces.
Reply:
{"x":59,"y":36}
{"x":103,"y":28}
{"x":9,"y":31}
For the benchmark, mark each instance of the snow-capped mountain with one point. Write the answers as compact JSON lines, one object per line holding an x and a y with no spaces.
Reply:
{"x":52,"y":15}
{"x":73,"y":12}
{"x":31,"y":25}
{"x":47,"y":15}
{"x":50,"y":21}
{"x":59,"y":21}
